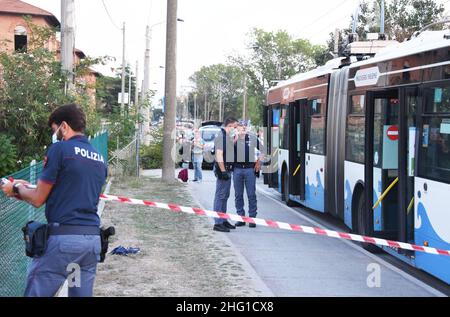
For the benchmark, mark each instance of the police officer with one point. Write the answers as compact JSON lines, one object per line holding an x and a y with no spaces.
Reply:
{"x":224,"y":147}
{"x":70,"y":186}
{"x":246,"y":167}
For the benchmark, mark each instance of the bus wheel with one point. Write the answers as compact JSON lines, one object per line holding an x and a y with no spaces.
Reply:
{"x":286,"y":191}
{"x":363,"y":229}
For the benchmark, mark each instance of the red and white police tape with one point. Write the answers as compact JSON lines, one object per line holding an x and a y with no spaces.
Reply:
{"x":277,"y":225}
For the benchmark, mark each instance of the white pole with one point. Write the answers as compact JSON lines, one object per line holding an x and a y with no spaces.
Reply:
{"x":145,"y":110}
{"x":67,"y":40}
{"x":122,"y":107}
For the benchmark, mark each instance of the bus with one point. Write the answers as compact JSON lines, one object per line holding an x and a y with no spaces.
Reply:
{"x":368,"y":142}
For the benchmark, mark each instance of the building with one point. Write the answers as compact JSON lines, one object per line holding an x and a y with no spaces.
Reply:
{"x":15,"y":34}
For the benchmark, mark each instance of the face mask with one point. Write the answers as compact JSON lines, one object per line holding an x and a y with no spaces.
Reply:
{"x":233,"y":133}
{"x":55,"y":136}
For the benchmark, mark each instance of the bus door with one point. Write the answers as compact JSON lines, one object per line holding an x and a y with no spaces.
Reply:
{"x":407,"y":162}
{"x":297,"y":149}
{"x":267,"y":138}
{"x":275,"y":115}
{"x":389,"y":172}
{"x":381,"y":179}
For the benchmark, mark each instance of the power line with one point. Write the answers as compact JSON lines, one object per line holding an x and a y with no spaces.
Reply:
{"x":325,"y":14}
{"x":109,"y":15}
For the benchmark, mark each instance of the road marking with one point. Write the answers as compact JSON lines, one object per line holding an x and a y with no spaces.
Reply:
{"x":374,"y":257}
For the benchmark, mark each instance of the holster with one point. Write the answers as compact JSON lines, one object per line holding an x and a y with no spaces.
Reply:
{"x":104,"y":237}
{"x":35,"y":235}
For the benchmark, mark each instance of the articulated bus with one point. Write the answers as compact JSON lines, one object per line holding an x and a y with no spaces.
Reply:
{"x":369,"y":143}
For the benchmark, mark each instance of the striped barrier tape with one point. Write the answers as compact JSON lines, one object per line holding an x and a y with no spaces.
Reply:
{"x":277,"y":225}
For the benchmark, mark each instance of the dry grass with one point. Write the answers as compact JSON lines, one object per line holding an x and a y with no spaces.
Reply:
{"x":180,"y":254}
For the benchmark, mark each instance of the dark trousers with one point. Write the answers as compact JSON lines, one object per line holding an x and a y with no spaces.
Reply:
{"x":245,"y":178}
{"x":221,"y":198}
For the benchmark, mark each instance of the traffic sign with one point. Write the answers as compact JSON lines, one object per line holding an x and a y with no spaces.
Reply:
{"x":393,"y":133}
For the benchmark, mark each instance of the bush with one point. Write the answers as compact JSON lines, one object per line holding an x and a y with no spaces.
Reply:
{"x":8,"y":156}
{"x":152,"y":155}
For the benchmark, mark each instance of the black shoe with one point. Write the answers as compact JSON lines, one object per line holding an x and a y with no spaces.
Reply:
{"x":221,"y":228}
{"x":240,"y":224}
{"x":229,"y":225}
{"x":252,"y":225}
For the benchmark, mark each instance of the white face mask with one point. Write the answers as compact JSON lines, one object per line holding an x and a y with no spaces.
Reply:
{"x":55,"y":136}
{"x":233,"y":133}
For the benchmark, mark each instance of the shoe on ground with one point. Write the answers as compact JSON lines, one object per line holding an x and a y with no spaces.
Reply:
{"x":221,"y":228}
{"x":229,"y":225}
{"x":252,"y":225}
{"x":240,"y":224}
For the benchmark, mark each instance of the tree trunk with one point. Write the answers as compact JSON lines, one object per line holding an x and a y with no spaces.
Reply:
{"x":168,"y":172}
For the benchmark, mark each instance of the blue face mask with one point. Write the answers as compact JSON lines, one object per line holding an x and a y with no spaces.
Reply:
{"x":55,"y":138}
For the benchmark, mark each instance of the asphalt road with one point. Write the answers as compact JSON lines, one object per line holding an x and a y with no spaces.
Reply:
{"x":295,"y":264}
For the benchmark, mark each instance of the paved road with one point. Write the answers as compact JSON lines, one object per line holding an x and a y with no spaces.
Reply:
{"x":293,"y":264}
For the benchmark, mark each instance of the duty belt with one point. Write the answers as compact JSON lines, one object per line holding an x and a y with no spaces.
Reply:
{"x":62,"y":230}
{"x":244,"y":165}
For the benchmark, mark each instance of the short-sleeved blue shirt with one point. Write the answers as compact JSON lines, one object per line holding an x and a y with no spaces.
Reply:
{"x":77,"y":172}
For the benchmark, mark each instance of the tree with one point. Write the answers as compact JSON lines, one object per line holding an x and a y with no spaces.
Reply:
{"x":402,"y":19}
{"x":275,"y":56}
{"x":209,"y":81}
{"x":31,"y":87}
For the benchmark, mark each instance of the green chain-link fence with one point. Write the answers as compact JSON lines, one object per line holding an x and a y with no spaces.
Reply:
{"x":13,"y":216}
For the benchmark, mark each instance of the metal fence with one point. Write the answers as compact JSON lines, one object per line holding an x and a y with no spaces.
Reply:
{"x":125,"y":162}
{"x":13,"y":216}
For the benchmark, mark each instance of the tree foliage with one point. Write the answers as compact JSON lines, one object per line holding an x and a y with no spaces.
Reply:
{"x":402,"y":19}
{"x":7,"y":156}
{"x":273,"y":56}
{"x":31,"y":87}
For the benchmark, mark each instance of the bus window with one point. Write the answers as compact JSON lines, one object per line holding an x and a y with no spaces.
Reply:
{"x":317,"y":128}
{"x":437,"y":100}
{"x":355,"y":132}
{"x":434,"y":161}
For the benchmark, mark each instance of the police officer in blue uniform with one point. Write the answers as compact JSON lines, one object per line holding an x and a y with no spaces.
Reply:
{"x":224,"y":147}
{"x":70,"y":186}
{"x":246,"y":168}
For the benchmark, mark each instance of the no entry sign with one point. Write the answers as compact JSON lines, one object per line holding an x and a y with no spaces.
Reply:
{"x":393,"y":133}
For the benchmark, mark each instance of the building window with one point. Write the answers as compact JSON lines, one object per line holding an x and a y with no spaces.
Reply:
{"x":20,"y":39}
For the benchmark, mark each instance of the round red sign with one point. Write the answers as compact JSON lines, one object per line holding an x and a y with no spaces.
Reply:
{"x":393,"y":133}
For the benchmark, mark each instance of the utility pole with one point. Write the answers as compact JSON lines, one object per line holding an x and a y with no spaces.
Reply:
{"x":138,"y":125}
{"x":195,"y":110}
{"x":244,"y":106}
{"x":206,"y":106}
{"x":129,"y":88}
{"x":220,"y":102}
{"x":168,"y":172}
{"x":67,"y":41}
{"x":122,"y":102}
{"x":382,"y":17}
{"x":136,"y":92}
{"x":145,"y":110}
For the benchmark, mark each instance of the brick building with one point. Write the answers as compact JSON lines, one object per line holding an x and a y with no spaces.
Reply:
{"x":14,"y":34}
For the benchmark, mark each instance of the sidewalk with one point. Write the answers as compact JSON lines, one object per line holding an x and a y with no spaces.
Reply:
{"x":180,"y":254}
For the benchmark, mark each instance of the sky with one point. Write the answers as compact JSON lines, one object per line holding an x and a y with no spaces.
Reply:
{"x":211,"y":31}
